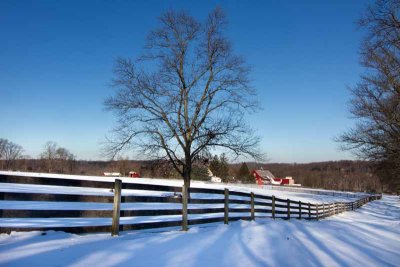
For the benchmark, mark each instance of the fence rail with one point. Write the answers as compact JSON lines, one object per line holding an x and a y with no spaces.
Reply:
{"x":249,"y":206}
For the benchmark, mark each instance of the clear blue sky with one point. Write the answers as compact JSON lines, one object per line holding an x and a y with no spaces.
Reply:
{"x":56,"y":60}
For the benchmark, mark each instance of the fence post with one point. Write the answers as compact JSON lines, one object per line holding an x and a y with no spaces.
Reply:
{"x":309,"y":210}
{"x":184,"y":208}
{"x":226,"y":206}
{"x":288,"y":209}
{"x":317,"y":211}
{"x":299,"y":209}
{"x":323,"y":210}
{"x":116,"y":207}
{"x":273,"y":207}
{"x":252,"y":206}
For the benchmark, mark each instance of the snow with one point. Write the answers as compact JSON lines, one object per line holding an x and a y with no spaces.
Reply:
{"x":369,"y":236}
{"x":59,"y":222}
{"x":266,"y":190}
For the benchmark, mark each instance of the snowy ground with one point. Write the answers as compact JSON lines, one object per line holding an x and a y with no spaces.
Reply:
{"x":58,"y":222}
{"x":369,"y":236}
{"x":306,"y":197}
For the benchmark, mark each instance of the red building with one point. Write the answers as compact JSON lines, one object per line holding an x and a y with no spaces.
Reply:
{"x":266,"y":177}
{"x":134,"y":175}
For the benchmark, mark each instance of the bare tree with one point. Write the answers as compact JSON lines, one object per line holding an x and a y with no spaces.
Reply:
{"x":123,"y":166}
{"x":57,"y":158}
{"x":188,"y":93}
{"x":49,"y":155}
{"x":376,"y":98}
{"x":9,"y":152}
{"x":3,"y":143}
{"x":65,"y":159}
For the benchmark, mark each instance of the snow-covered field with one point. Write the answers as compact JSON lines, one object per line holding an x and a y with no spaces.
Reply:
{"x":58,"y":222}
{"x":306,"y":197}
{"x":369,"y":236}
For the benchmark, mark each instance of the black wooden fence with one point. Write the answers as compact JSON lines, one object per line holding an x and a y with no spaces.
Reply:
{"x":223,"y":205}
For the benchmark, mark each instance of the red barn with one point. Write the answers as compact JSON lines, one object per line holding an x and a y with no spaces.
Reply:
{"x":134,"y":175}
{"x":266,"y":177}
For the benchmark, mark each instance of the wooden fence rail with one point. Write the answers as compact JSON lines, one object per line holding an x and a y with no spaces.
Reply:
{"x":227,"y":205}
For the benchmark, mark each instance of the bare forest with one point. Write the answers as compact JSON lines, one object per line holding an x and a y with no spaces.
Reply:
{"x":336,"y":175}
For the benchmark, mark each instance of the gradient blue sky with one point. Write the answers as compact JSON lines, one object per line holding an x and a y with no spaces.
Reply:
{"x":56,"y":60}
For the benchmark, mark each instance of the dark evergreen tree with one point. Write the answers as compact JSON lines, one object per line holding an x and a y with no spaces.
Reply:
{"x":220,"y":167}
{"x":200,"y":173}
{"x":244,"y":175}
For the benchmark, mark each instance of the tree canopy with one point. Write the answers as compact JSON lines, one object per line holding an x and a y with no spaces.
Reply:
{"x":185,"y":95}
{"x":375,"y":102}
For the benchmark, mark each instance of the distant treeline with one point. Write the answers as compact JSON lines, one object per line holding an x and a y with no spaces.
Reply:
{"x":335,"y":175}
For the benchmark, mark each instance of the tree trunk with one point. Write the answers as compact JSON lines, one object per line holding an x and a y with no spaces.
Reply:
{"x":187,"y":173}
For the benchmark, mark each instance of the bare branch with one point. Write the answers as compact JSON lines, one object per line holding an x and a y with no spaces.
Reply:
{"x":186,"y":94}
